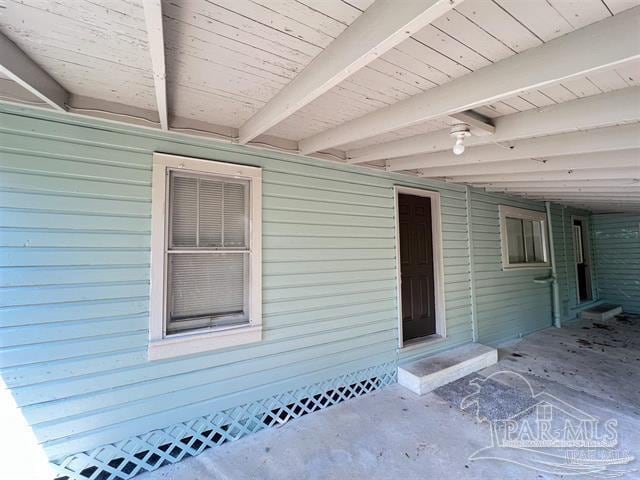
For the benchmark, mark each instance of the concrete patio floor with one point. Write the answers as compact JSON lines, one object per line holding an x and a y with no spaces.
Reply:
{"x":393,"y":433}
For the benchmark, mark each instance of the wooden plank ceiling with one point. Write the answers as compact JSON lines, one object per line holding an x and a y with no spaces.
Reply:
{"x":226,"y":60}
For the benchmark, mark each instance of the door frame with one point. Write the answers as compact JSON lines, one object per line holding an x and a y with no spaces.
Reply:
{"x":438,"y":264}
{"x":586,"y":247}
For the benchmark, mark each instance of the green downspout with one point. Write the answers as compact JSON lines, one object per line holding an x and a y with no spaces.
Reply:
{"x":472,"y":273}
{"x":554,"y":274}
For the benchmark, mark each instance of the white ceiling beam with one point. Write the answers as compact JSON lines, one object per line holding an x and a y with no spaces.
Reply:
{"x":601,"y":45}
{"x":517,"y":184}
{"x":381,"y":27}
{"x":473,"y":159}
{"x":622,"y":189}
{"x":584,"y":195}
{"x":584,"y":200}
{"x":613,"y":158}
{"x":613,"y":108}
{"x":155,"y":35}
{"x":608,"y":203}
{"x":593,"y":203}
{"x":608,"y":208}
{"x":599,"y":207}
{"x":587,"y":174}
{"x":604,"y":210}
{"x":16,"y":65}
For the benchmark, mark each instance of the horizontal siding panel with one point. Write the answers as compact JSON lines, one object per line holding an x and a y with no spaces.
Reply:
{"x":38,"y":256}
{"x":342,"y":243}
{"x":53,"y":332}
{"x":34,"y":276}
{"x":320,"y":195}
{"x":324,"y":207}
{"x":17,"y":296}
{"x":72,"y":204}
{"x":322,"y":291}
{"x":277,"y":229}
{"x":25,"y":163}
{"x":293,"y":216}
{"x":616,"y":241}
{"x":16,"y":218}
{"x":327,"y":185}
{"x":48,"y":238}
{"x":60,"y":312}
{"x":292,"y":268}
{"x":24,"y":355}
{"x":51,"y":147}
{"x":325,"y":278}
{"x":30,"y":181}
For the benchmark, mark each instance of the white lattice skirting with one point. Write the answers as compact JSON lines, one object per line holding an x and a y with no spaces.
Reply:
{"x":143,"y":453}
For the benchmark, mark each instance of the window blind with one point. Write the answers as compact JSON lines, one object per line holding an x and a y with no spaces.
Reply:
{"x":208,"y":256}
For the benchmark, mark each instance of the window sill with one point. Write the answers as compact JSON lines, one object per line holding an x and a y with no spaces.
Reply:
{"x":203,"y":342}
{"x":526,"y":266}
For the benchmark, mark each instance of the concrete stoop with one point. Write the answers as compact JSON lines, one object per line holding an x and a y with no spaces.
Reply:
{"x":601,"y":312}
{"x":427,"y":374}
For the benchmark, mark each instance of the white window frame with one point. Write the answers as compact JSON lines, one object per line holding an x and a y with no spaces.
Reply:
{"x":167,"y":346}
{"x":523,"y":214}
{"x":578,"y":249}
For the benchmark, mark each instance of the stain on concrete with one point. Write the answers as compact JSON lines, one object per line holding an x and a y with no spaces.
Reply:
{"x":496,"y":401}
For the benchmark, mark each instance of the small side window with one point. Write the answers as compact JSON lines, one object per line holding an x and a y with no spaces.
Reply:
{"x":523,"y":235}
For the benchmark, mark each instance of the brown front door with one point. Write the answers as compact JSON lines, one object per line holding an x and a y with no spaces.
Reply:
{"x":416,"y":267}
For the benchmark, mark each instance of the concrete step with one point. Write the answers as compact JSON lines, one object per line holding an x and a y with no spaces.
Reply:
{"x":600,"y":313}
{"x":429,"y":373}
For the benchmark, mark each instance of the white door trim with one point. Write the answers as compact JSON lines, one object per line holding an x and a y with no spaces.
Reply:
{"x":438,"y":263}
{"x":586,"y":247}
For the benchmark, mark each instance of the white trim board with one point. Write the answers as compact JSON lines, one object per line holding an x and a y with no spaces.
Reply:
{"x":586,"y":247}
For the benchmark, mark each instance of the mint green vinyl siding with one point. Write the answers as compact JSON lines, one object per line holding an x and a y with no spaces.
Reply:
{"x":616,"y":240}
{"x":508,"y":303}
{"x":75,"y":200}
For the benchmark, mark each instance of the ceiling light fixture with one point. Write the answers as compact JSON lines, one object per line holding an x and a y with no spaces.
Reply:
{"x":459,"y":132}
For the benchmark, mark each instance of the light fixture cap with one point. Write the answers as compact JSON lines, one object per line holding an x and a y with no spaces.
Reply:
{"x":460,"y":130}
